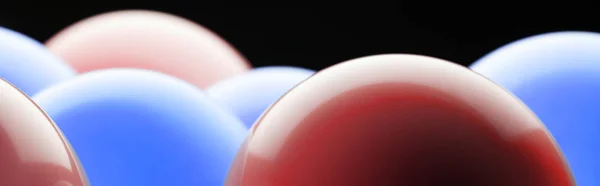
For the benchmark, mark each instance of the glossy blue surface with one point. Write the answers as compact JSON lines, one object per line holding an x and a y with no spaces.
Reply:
{"x":28,"y":65}
{"x":141,"y":128}
{"x":558,"y":76}
{"x":250,"y":94}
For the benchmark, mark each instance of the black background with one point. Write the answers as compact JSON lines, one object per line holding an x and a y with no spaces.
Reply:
{"x":320,"y":35}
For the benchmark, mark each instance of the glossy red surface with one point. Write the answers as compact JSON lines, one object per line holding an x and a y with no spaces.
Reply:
{"x":399,"y":120}
{"x":33,"y":150}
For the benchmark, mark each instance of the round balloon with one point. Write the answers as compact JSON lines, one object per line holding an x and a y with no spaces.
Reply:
{"x":148,"y":40}
{"x":34,"y":151}
{"x":135,"y":127}
{"x":28,"y":65}
{"x":399,"y":120}
{"x":558,"y":76}
{"x":250,"y":94}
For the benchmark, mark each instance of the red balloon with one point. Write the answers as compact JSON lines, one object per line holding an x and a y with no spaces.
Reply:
{"x":33,"y":151}
{"x":399,"y":120}
{"x":148,"y":40}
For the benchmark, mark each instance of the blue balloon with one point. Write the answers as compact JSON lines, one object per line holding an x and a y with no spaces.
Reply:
{"x":558,"y":76}
{"x":250,"y":94}
{"x":28,"y":65}
{"x":141,"y":128}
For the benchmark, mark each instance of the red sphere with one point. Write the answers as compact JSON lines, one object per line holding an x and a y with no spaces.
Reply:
{"x":399,"y":120}
{"x":33,"y":151}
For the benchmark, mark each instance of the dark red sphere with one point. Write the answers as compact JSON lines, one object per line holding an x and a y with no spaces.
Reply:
{"x":399,"y":120}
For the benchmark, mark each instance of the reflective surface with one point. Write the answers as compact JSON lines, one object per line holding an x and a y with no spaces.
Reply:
{"x":29,"y":66}
{"x":398,"y":120}
{"x":33,"y":150}
{"x":148,"y":40}
{"x":558,"y":76}
{"x":142,"y":128}
{"x":250,"y":94}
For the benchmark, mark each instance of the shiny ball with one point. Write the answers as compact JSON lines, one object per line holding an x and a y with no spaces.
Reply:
{"x":250,"y":94}
{"x":28,"y":65}
{"x":557,"y":75}
{"x":148,"y":40}
{"x":135,"y":127}
{"x":34,"y":152}
{"x":399,"y":120}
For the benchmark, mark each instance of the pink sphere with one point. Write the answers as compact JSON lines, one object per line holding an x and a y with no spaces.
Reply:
{"x":148,"y":40}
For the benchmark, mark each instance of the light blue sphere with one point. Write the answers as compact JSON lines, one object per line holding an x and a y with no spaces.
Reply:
{"x":558,"y":76}
{"x":28,"y":65}
{"x":249,"y":95}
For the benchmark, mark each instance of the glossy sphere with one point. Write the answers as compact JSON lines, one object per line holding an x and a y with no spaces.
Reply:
{"x":148,"y":40}
{"x":558,"y":76}
{"x":249,"y":95}
{"x":28,"y":65}
{"x":141,"y":128}
{"x":34,"y":152}
{"x":398,"y":120}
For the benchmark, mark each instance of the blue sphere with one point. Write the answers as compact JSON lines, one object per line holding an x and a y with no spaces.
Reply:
{"x":558,"y":76}
{"x":141,"y":128}
{"x":28,"y":65}
{"x":250,"y":94}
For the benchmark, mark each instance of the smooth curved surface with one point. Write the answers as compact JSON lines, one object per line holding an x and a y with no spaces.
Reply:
{"x":33,"y":150}
{"x":148,"y":40}
{"x":399,"y":120}
{"x":557,"y":75}
{"x":249,"y":95}
{"x":28,"y":65}
{"x":140,"y":128}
